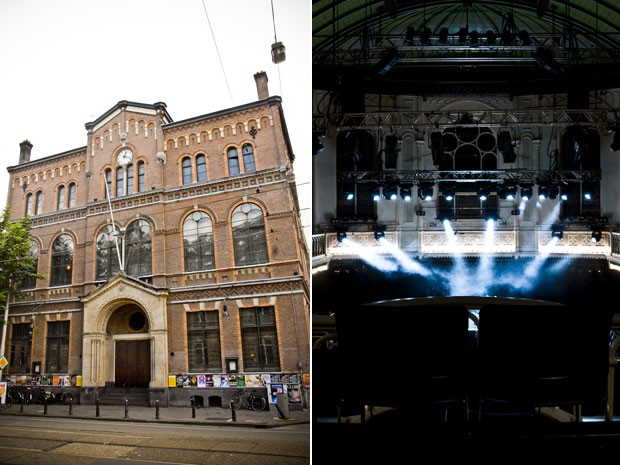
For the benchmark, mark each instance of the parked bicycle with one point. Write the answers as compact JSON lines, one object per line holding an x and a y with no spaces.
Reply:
{"x":54,"y":397}
{"x":252,"y":401}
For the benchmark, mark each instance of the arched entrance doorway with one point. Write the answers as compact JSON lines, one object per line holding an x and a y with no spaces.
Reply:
{"x":129,"y":328}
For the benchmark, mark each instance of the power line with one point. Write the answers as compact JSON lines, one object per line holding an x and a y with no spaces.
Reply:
{"x":218,"y":52}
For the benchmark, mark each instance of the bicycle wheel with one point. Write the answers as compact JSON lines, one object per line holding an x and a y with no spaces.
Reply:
{"x":258,"y":404}
{"x":236,"y":402}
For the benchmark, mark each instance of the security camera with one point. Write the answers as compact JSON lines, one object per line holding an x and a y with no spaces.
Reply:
{"x":161,"y":157}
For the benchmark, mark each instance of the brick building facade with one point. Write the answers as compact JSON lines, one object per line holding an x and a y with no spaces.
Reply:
{"x":173,"y":254}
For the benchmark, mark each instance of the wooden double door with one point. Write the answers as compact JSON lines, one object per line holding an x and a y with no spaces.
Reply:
{"x":132,"y":363}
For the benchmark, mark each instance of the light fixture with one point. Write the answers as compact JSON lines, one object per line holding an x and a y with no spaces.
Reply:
{"x":597,"y":235}
{"x":445,"y":214}
{"x":527,"y":192}
{"x":557,"y":231}
{"x":553,"y":191}
{"x":448,"y":191}
{"x":436,"y":146}
{"x":341,"y":236}
{"x":425,"y":191}
{"x":405,"y":193}
{"x":379,"y":232}
{"x":483,"y":192}
{"x":349,"y":194}
{"x":375,"y":194}
{"x":543,"y":191}
{"x":588,"y":190}
{"x":389,"y":192}
{"x":507,"y":191}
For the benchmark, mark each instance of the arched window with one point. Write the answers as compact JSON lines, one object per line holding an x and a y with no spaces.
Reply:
{"x":138,"y":257}
{"x":129,"y":179}
{"x":198,"y":242}
{"x":62,"y":261}
{"x":28,"y":205}
{"x":233,"y":162}
{"x":248,"y":231}
{"x":71,"y":200}
{"x":107,"y":255}
{"x":38,"y":203}
{"x":60,"y":199}
{"x":108,"y":183}
{"x":186,"y":166}
{"x":120,"y":178}
{"x":201,"y":168}
{"x":30,"y":282}
{"x":140,"y":176}
{"x":248,"y":158}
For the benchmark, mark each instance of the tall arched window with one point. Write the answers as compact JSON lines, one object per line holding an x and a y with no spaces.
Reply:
{"x":31,"y":281}
{"x":60,"y":198}
{"x":138,"y":259}
{"x":201,"y":168}
{"x":107,"y":255}
{"x":38,"y":203}
{"x":108,"y":183}
{"x":198,"y":242}
{"x":248,"y":158}
{"x":120,"y":178}
{"x":28,"y":205}
{"x":62,"y":261}
{"x":71,"y":199}
{"x":248,"y":231}
{"x":140,"y":176}
{"x":129,"y":179}
{"x":233,"y":161}
{"x":186,"y":166}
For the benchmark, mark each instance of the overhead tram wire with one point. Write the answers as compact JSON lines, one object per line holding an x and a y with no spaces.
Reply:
{"x":218,"y":53}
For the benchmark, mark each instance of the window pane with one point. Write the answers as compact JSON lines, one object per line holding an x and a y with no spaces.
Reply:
{"x":21,"y":342}
{"x":60,"y":201}
{"x":31,"y":281}
{"x":187,"y":171}
{"x":71,"y":195}
{"x":129,"y":179}
{"x":233,"y":162}
{"x":138,"y":248}
{"x":203,"y":341}
{"x":38,"y":203}
{"x":198,"y":242}
{"x":57,"y":351}
{"x":141,"y":176}
{"x":28,"y":209}
{"x":62,"y":261}
{"x":248,"y":158}
{"x":248,"y":229}
{"x":107,"y":255}
{"x":120,"y":176}
{"x":201,"y":168}
{"x":259,"y":339}
{"x":108,"y":183}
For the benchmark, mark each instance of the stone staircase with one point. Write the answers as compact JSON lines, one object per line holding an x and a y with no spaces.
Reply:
{"x":117,"y":395}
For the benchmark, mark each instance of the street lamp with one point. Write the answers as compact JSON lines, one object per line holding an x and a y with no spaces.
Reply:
{"x":4,"y":327}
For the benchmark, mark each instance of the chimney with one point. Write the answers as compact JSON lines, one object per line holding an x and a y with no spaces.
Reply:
{"x":261,"y":85}
{"x":24,"y":151}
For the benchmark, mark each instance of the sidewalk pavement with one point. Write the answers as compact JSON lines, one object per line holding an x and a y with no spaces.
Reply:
{"x":202,"y":415}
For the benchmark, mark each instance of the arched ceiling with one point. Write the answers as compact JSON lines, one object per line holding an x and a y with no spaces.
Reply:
{"x":430,"y":47}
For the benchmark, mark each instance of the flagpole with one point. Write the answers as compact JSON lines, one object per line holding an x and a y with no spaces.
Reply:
{"x":118,"y":250}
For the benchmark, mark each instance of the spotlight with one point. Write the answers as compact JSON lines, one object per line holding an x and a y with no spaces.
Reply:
{"x":589,"y":190}
{"x":484,"y":192}
{"x":405,"y":193}
{"x":375,"y":194}
{"x":491,"y":214}
{"x":317,"y":144}
{"x":341,"y":236}
{"x":349,"y":194}
{"x":448,"y":190}
{"x":553,"y":192}
{"x":597,"y":235}
{"x":445,"y":214}
{"x":425,"y":191}
{"x":557,"y":231}
{"x":379,"y":232}
{"x":563,"y":196}
{"x":507,"y":191}
{"x":527,"y":192}
{"x":543,"y":191}
{"x":389,"y":192}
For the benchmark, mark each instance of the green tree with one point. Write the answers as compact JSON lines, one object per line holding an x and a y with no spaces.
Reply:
{"x":16,"y":262}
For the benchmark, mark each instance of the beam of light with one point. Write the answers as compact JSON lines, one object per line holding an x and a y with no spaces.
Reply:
{"x":458,"y":280}
{"x":370,"y":256}
{"x":406,"y":263}
{"x":484,"y":273}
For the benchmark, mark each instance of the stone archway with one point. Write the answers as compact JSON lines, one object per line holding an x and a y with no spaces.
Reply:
{"x":125,"y":316}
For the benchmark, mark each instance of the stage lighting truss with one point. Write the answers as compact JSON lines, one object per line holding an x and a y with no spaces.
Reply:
{"x":425,"y":191}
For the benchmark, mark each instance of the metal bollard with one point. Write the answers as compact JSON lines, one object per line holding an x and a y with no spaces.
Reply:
{"x":233,"y":411}
{"x":193,"y":402}
{"x":157,"y":410}
{"x":45,"y":405}
{"x":97,"y":407}
{"x":126,"y":408}
{"x":71,"y":406}
{"x":21,"y":404}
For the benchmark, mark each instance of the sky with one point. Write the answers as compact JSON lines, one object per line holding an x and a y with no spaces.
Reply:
{"x":66,"y":62}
